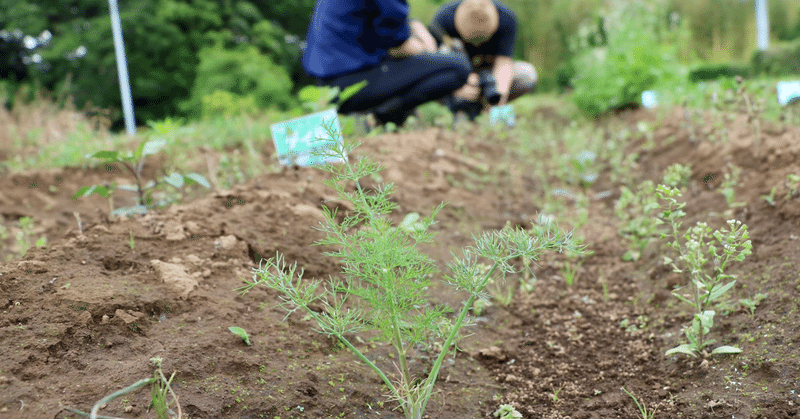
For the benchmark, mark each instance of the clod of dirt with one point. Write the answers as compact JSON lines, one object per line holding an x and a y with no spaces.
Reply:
{"x":128,"y":316}
{"x":173,"y":230}
{"x":174,"y":276}
{"x":493,"y":352}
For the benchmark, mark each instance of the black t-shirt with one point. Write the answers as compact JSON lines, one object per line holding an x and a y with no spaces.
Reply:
{"x":501,"y":43}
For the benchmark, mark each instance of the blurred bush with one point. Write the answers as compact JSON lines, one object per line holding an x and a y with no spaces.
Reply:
{"x":235,"y":81}
{"x":781,"y":59}
{"x":640,"y":52}
{"x":715,"y":71}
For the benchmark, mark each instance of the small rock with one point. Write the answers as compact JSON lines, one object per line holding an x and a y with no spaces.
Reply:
{"x":105,"y":319}
{"x":128,"y":409}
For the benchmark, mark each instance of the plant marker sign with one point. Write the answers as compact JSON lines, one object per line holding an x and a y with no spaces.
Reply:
{"x":298,"y":139}
{"x":788,"y":91}
{"x":503,"y":114}
{"x":649,"y":99}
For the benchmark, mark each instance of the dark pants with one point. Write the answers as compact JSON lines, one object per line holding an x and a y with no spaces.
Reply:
{"x":398,"y":85}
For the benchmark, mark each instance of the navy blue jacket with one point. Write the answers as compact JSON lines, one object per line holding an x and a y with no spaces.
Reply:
{"x":350,"y":35}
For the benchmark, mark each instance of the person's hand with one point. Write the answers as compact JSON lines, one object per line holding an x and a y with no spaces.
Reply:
{"x":419,"y":31}
{"x":412,"y":46}
{"x":470,"y":91}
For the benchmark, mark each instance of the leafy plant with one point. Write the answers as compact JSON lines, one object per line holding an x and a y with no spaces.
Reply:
{"x":752,"y":303}
{"x":726,"y":188}
{"x":570,"y":272}
{"x":25,"y":235}
{"x":134,"y":162}
{"x":635,"y":209}
{"x":384,"y":271}
{"x":771,"y":197}
{"x":646,"y":414}
{"x":238,"y":331}
{"x":160,"y":386}
{"x":634,"y":59}
{"x":507,"y":411}
{"x":793,"y":185}
{"x":583,"y":170}
{"x":677,"y":175}
{"x":697,"y":255}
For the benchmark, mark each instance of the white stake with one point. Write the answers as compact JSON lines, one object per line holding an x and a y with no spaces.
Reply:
{"x":122,"y":68}
{"x":762,"y":24}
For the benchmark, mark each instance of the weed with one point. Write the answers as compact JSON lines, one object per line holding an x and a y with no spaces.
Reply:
{"x":25,"y":235}
{"x":677,"y":175}
{"x":385,"y":271}
{"x":134,"y":162}
{"x":160,"y":386}
{"x":570,"y":272}
{"x":636,"y":212}
{"x":556,"y":391}
{"x":507,"y":411}
{"x":646,"y":414}
{"x":771,"y":197}
{"x":752,"y":303}
{"x":695,"y":253}
{"x":238,"y":331}
{"x":131,"y":242}
{"x":792,"y":185}
{"x":726,"y":188}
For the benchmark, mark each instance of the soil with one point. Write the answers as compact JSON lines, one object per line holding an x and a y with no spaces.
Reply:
{"x":82,"y":316}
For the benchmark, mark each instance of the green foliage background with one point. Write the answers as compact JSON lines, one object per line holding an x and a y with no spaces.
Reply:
{"x":256,"y":45}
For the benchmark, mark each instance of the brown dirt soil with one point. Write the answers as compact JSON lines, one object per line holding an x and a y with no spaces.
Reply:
{"x":82,"y":316}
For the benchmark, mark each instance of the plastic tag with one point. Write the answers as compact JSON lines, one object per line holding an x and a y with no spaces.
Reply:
{"x":503,"y":114}
{"x":788,"y":91}
{"x":649,"y":99}
{"x":298,"y":139}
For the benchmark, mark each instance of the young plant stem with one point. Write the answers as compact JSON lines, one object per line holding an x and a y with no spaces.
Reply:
{"x":445,"y":347}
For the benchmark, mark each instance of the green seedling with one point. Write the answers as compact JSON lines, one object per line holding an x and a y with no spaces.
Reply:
{"x":134,"y":162}
{"x":554,"y":396}
{"x":771,"y":197}
{"x":752,"y":303}
{"x":638,"y":225}
{"x":24,"y":236}
{"x":697,"y":255}
{"x":507,"y":411}
{"x":570,"y":272}
{"x":677,"y":175}
{"x":160,"y":386}
{"x":131,"y":242}
{"x":238,"y":331}
{"x":726,"y":188}
{"x":646,"y":414}
{"x":385,"y":277}
{"x":583,"y":170}
{"x":792,"y":185}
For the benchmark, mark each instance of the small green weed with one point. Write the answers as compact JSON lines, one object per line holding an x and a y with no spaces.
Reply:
{"x":726,"y":188}
{"x":160,"y":386}
{"x":507,"y":411}
{"x":677,"y":175}
{"x":751,"y":303}
{"x":646,"y":414}
{"x":636,"y":210}
{"x":238,"y":331}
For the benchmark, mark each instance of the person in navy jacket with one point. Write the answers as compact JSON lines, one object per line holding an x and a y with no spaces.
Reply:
{"x":485,"y":30}
{"x":349,"y":41}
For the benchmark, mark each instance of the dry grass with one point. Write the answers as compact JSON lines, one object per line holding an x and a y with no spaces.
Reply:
{"x":42,"y":122}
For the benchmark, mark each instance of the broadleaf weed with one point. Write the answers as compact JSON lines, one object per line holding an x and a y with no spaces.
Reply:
{"x":387,"y":276}
{"x":697,"y":255}
{"x":134,"y":162}
{"x":636,"y":210}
